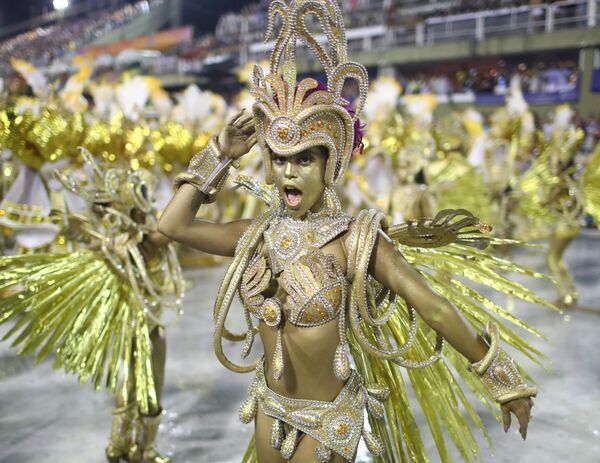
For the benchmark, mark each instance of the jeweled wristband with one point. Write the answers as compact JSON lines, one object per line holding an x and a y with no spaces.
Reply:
{"x":498,"y":371}
{"x":206,"y":167}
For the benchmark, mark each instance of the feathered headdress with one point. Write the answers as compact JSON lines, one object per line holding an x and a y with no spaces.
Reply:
{"x":293,"y":116}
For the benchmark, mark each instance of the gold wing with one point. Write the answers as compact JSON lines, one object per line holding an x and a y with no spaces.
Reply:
{"x":78,"y":307}
{"x":457,"y":272}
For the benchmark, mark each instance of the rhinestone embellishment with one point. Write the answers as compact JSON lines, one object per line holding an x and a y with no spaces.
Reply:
{"x":271,"y":312}
{"x":285,"y":131}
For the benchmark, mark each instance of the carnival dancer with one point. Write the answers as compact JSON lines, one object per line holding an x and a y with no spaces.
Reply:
{"x":99,"y":309}
{"x":556,"y":193}
{"x":326,"y":287}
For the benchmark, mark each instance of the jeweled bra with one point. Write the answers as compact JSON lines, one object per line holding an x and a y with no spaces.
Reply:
{"x":314,"y":282}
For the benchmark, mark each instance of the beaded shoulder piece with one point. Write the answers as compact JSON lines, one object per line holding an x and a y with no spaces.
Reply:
{"x":288,"y":239}
{"x":287,"y":120}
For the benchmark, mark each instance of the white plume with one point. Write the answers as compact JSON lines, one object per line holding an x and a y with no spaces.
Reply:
{"x":132,"y":96}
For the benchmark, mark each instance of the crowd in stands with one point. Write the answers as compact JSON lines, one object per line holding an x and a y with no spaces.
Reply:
{"x":44,"y":44}
{"x":559,"y":76}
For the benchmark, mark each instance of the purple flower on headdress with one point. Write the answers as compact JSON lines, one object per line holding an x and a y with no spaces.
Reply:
{"x":359,"y":126}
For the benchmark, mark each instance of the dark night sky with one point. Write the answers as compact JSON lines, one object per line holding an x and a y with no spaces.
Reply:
{"x":203,"y":14}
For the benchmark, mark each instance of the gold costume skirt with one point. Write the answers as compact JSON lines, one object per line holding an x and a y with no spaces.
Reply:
{"x":337,"y":426}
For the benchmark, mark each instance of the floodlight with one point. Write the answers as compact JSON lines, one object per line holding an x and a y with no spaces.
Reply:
{"x":60,"y":4}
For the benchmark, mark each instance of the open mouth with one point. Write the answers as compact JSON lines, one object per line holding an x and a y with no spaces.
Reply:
{"x":293,"y":196}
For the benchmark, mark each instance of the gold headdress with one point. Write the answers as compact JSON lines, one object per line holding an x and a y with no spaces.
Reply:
{"x":123,"y":188}
{"x":287,"y":120}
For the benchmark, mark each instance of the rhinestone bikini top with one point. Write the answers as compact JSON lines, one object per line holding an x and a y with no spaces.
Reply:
{"x":316,"y":288}
{"x":315,"y":284}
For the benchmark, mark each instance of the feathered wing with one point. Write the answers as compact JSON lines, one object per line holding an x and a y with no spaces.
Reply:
{"x":459,"y":185}
{"x":452,"y":270}
{"x":78,"y":307}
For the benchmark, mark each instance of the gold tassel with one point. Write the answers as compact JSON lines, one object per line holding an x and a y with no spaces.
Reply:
{"x":278,"y":357}
{"x":289,"y":444}
{"x":373,"y":443}
{"x":276,"y":434}
{"x":341,"y":363}
{"x":248,"y":410}
{"x":375,"y":408}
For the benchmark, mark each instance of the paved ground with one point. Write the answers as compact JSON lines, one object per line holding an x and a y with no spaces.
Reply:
{"x":46,"y":417}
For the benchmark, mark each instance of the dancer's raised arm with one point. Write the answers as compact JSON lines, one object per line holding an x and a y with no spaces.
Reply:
{"x":204,"y":178}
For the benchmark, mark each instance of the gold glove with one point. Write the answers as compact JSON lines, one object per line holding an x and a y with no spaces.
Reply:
{"x":207,"y":171}
{"x":499,"y":372}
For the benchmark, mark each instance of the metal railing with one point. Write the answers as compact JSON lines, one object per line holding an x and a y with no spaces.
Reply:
{"x":475,"y":26}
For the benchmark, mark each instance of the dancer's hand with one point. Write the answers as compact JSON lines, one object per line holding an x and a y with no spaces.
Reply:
{"x":238,"y":136}
{"x":521,"y":408}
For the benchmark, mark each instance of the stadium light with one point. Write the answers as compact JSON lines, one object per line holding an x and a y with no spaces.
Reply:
{"x":60,"y":4}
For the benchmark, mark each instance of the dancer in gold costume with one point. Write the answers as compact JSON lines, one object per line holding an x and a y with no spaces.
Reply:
{"x":557,"y":191}
{"x":326,"y":287}
{"x":455,"y":172}
{"x":99,"y":309}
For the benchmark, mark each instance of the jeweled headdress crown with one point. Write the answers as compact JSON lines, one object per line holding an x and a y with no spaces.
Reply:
{"x":291,"y":117}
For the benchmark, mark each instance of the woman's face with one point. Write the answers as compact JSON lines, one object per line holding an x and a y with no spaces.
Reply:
{"x":300,"y":180}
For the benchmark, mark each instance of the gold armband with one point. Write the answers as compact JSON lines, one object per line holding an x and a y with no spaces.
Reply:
{"x":499,"y":372}
{"x":207,"y":171}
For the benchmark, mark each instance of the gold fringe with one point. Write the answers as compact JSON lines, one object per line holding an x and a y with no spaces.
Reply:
{"x":76,"y":306}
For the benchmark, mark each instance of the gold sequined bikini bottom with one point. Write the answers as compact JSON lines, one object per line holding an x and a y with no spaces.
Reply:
{"x":337,"y":426}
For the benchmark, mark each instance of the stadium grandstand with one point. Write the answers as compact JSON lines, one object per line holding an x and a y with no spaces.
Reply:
{"x":464,"y":51}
